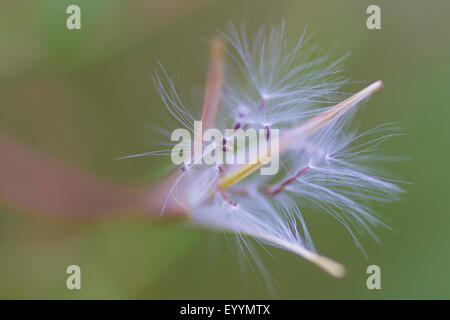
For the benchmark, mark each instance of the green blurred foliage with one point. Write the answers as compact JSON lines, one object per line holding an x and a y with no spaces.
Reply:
{"x":86,"y":97}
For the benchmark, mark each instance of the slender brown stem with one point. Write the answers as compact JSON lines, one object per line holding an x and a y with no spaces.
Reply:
{"x":34,"y":183}
{"x":225,"y":197}
{"x":214,"y":82}
{"x":274,"y":190}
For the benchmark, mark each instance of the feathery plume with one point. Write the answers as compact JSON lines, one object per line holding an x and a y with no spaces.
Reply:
{"x":323,"y":163}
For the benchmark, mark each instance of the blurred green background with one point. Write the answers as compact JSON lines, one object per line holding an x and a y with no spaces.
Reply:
{"x":86,"y":96}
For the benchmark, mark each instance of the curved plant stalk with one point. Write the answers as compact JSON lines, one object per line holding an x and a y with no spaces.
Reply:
{"x":35,"y":183}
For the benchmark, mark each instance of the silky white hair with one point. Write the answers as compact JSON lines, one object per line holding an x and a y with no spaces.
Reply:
{"x":332,"y":169}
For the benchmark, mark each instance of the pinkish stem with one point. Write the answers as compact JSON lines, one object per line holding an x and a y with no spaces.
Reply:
{"x":275,"y":190}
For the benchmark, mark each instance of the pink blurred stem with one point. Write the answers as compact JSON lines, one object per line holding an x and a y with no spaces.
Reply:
{"x":34,"y":183}
{"x":214,"y":82}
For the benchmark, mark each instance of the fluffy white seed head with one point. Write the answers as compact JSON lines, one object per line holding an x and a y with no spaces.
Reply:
{"x":325,"y":163}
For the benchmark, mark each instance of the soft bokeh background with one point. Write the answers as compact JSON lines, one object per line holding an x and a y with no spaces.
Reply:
{"x":85,"y":97}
